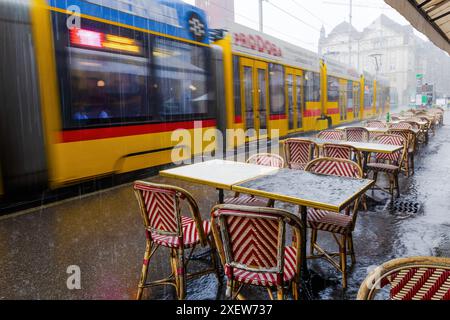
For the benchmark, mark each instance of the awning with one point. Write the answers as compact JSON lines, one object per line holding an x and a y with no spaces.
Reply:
{"x":431,"y":17}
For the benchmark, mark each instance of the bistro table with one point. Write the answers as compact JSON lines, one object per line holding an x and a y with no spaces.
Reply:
{"x":305,"y":189}
{"x":360,"y":146}
{"x":293,"y":186}
{"x":376,"y":130}
{"x":220,"y":174}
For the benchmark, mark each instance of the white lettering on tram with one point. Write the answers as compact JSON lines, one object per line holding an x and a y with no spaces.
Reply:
{"x":74,"y":20}
{"x":207,"y":144}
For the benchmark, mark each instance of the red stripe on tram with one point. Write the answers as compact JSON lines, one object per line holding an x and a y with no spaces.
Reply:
{"x":124,"y":131}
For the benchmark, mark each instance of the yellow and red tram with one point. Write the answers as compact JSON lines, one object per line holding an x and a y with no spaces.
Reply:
{"x":105,"y":96}
{"x":273,"y":85}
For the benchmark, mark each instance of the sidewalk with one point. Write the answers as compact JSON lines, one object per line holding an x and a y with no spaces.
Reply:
{"x":103,"y":235}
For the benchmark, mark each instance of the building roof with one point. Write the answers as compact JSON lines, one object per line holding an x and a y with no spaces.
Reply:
{"x":431,"y":17}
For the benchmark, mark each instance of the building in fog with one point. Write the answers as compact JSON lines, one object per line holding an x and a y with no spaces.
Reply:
{"x":390,"y":50}
{"x":220,"y":12}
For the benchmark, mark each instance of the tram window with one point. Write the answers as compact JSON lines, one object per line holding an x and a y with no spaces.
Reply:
{"x":103,"y":73}
{"x":106,"y":86}
{"x":276,"y":83}
{"x":368,"y":95}
{"x":333,"y":89}
{"x":237,"y":88}
{"x":350,"y":94}
{"x":109,"y":75}
{"x":312,"y":86}
{"x":181,"y":78}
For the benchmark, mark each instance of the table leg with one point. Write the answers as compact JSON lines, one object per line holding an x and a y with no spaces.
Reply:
{"x":305,"y":275}
{"x":304,"y":217}
{"x":221,"y":196}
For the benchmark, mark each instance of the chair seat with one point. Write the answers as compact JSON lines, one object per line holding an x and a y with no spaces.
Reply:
{"x":298,"y":166}
{"x":329,"y":221}
{"x":382,"y":167}
{"x":267,"y":279}
{"x":246,"y":200}
{"x":190,"y":235}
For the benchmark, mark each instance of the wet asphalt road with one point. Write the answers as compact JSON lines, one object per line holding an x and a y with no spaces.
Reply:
{"x":103,"y":235}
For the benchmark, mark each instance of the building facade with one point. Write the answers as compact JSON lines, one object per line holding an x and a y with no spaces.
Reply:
{"x":389,"y":50}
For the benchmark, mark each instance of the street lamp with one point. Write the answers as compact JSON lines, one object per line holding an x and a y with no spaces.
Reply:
{"x":377,"y":58}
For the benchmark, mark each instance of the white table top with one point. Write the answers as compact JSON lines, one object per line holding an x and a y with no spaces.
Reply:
{"x":374,"y":130}
{"x":360,"y":146}
{"x":219,"y":174}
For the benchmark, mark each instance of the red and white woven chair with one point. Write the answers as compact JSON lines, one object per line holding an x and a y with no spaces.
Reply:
{"x":376,"y":124}
{"x":341,"y":151}
{"x":410,"y":138}
{"x":262,"y":159}
{"x":341,"y":225}
{"x":160,"y":207}
{"x":253,"y":248}
{"x":357,"y":134}
{"x":390,"y":164}
{"x":299,"y":152}
{"x":401,"y":125}
{"x":331,"y":135}
{"x":416,"y":278}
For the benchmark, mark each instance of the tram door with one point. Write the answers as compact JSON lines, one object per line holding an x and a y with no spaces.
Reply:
{"x":294,"y":88}
{"x":255,"y":98}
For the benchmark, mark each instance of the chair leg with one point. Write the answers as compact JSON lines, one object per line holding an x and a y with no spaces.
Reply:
{"x":397,"y":185}
{"x":364,"y":202}
{"x":313,"y":241}
{"x":180,"y":274}
{"x":294,"y":290}
{"x":144,"y":272}
{"x":412,"y":163}
{"x":230,"y":287}
{"x":343,"y":254}
{"x":374,"y":178}
{"x":280,"y":292}
{"x":351,"y":248}
{"x":215,"y":263}
{"x":173,"y":264}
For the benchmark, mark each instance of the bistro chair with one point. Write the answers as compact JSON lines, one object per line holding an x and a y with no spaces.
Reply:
{"x":254,"y":251}
{"x":401,"y":125}
{"x":390,"y":164}
{"x":357,"y":134}
{"x":416,"y":278}
{"x":426,"y":129}
{"x":376,"y":124}
{"x":341,"y":151}
{"x":299,"y":152}
{"x":414,"y":124}
{"x":263,"y":159}
{"x":410,"y":138}
{"x":340,"y":225}
{"x":165,"y":226}
{"x":331,"y":135}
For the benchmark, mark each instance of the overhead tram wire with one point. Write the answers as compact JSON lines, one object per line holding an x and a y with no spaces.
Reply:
{"x":267,"y":27}
{"x":292,"y":16}
{"x":312,"y":13}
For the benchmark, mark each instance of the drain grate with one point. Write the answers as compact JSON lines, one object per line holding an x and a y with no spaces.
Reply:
{"x":405,"y":207}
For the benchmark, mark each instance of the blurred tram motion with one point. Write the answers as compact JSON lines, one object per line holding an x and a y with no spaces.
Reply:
{"x":103,"y":97}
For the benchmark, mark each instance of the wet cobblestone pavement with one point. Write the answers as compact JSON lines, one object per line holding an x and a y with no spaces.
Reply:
{"x":103,"y":235}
